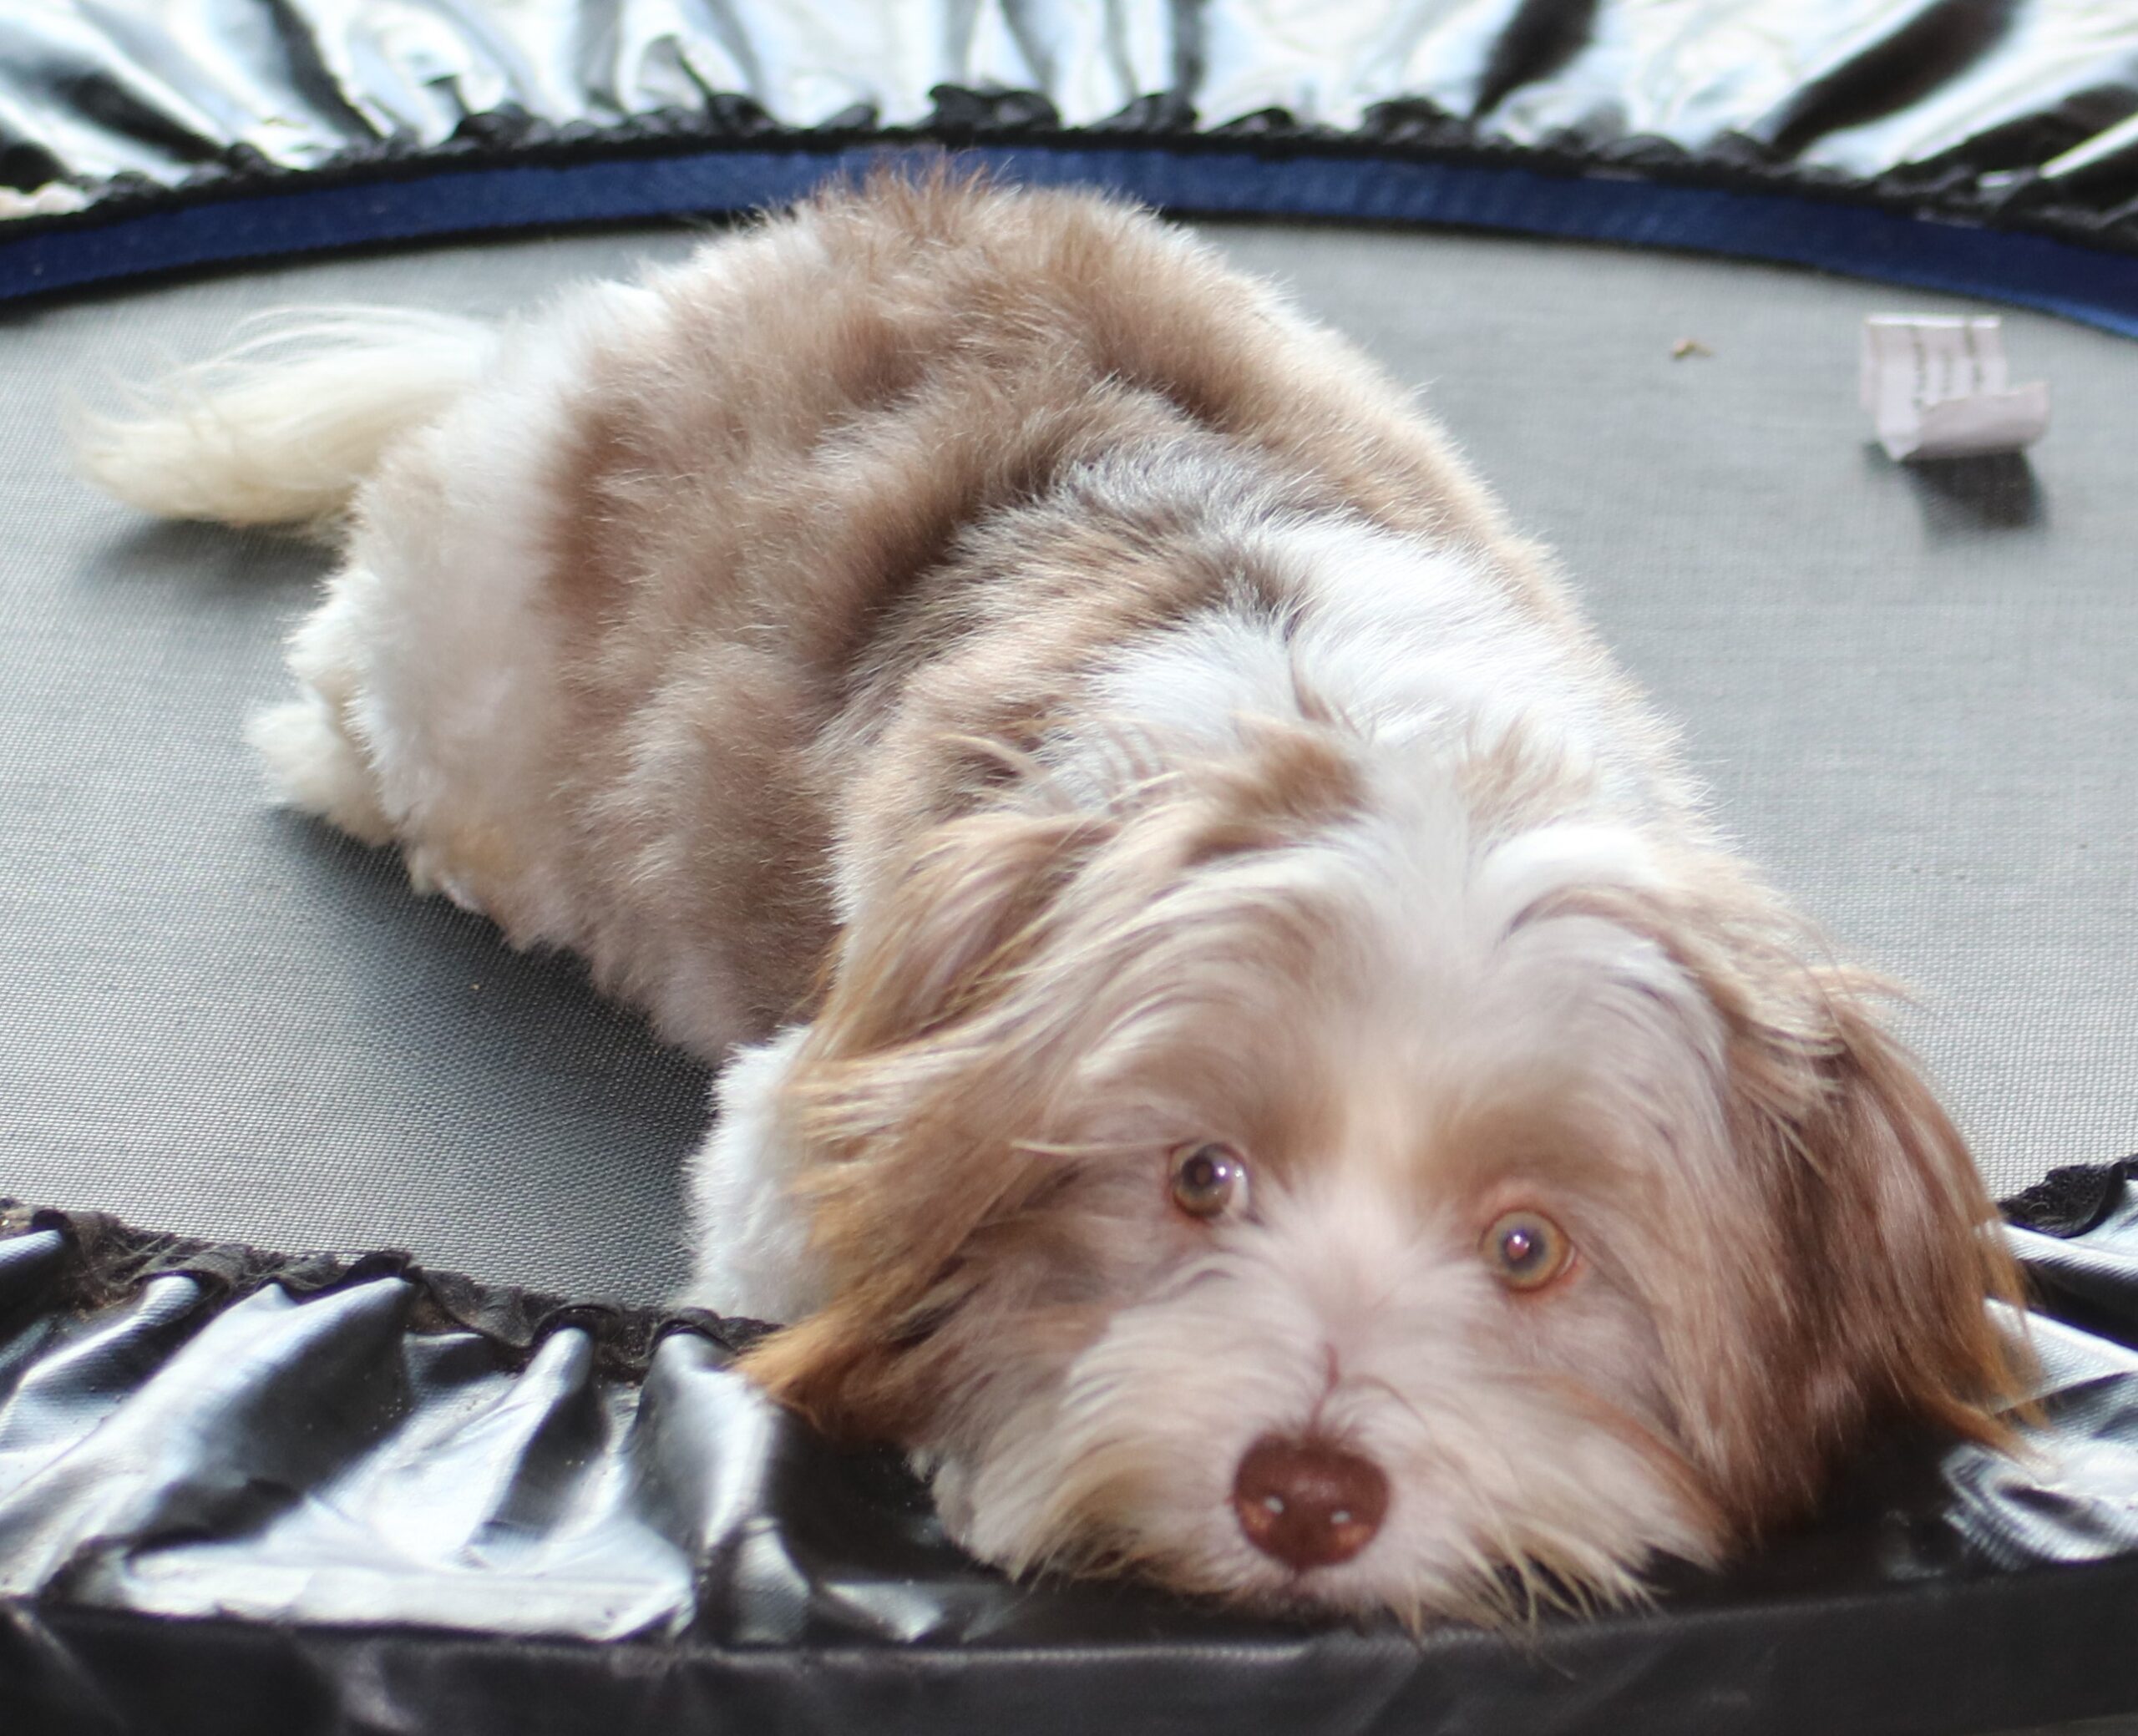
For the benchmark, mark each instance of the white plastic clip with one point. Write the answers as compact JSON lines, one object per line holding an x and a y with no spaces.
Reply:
{"x":1937,"y":386}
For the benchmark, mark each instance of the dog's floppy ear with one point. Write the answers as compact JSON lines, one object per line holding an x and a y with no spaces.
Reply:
{"x":1915,"y":1250}
{"x":1889,"y":1254}
{"x":1837,"y":1271}
{"x":923,"y":1053}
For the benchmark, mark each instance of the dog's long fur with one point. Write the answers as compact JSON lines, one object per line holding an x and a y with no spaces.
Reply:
{"x":1034,"y":703}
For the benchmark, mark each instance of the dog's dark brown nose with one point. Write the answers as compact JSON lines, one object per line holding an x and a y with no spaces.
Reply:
{"x":1307,"y":1503}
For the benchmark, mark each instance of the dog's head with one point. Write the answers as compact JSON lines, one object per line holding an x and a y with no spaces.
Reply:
{"x":1331,"y":1182}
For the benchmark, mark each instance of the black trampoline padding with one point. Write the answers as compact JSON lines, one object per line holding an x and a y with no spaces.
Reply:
{"x":243,"y":1492}
{"x":1980,"y":149}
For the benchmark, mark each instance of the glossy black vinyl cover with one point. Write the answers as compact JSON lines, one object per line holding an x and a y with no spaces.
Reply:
{"x":241,"y":1491}
{"x":2019,"y":113}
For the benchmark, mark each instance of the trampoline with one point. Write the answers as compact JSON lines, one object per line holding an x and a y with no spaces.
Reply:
{"x":1912,"y":688}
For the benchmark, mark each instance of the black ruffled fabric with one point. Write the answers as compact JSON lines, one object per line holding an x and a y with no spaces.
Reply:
{"x":1973,"y":106}
{"x":2013,"y":116}
{"x":241,"y":1489}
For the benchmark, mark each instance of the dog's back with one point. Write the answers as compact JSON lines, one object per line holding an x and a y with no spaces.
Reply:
{"x":616,"y":575}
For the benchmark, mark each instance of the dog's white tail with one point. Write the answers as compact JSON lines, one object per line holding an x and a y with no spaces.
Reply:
{"x":283,"y":428}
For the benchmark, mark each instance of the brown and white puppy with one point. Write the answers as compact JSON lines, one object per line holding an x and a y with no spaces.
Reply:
{"x":1243,"y":1055}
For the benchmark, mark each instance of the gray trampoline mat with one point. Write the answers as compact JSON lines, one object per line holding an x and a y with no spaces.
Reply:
{"x":1911,"y":691}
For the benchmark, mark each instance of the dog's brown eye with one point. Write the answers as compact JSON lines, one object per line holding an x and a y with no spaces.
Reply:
{"x":1526,"y":1250}
{"x":1210,"y":1179}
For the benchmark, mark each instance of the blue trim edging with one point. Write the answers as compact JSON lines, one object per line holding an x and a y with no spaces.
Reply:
{"x":2097,"y":286}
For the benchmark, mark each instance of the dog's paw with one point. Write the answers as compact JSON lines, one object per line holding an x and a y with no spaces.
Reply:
{"x":752,"y":1244}
{"x":312,"y":765}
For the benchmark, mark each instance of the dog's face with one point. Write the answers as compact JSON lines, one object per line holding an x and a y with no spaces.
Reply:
{"x":1310,"y":1182}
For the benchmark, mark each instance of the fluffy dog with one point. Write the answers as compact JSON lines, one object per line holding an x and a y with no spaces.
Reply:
{"x":1243,"y":1053}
